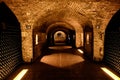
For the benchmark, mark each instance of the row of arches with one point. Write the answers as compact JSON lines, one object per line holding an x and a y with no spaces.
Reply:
{"x":60,"y":34}
{"x":45,"y":35}
{"x":77,"y":30}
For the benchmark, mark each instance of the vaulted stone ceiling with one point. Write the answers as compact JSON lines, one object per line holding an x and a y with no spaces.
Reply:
{"x":29,"y":12}
{"x":34,"y":13}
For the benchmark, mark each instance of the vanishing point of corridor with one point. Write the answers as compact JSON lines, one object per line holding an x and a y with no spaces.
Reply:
{"x":59,"y":40}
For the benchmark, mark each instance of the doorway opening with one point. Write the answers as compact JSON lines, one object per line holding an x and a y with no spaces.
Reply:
{"x":88,"y":42}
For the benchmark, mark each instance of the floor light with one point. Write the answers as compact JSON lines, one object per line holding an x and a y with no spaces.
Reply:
{"x":21,"y":74}
{"x":80,"y":51}
{"x":111,"y":74}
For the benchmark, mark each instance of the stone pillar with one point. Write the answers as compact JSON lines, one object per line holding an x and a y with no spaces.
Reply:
{"x":27,"y":46}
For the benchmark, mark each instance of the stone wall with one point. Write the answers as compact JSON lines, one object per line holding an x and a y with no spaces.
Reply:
{"x":29,"y":12}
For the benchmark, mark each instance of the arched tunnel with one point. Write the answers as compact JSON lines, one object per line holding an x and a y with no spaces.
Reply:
{"x":60,"y":45}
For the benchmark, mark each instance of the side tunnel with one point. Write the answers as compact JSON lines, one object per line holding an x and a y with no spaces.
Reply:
{"x":88,"y":41}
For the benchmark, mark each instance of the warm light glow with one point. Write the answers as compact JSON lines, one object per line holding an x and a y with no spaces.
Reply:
{"x":112,"y":75}
{"x":21,"y":74}
{"x":59,"y":36}
{"x":61,"y":60}
{"x":60,"y":47}
{"x":36,"y":39}
{"x":88,"y":38}
{"x":80,"y":51}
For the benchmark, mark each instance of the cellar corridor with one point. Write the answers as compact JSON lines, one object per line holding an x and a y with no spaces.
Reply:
{"x":62,"y":64}
{"x":46,"y":40}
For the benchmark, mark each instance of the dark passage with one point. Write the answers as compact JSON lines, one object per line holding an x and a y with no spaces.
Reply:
{"x":65,"y":64}
{"x":112,"y":43}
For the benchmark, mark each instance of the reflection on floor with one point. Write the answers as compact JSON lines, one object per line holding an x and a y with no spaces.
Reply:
{"x":64,"y":64}
{"x":60,"y":47}
{"x":62,"y":59}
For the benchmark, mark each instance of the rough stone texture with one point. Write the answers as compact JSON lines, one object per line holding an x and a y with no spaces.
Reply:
{"x":27,"y":46}
{"x":30,"y":12}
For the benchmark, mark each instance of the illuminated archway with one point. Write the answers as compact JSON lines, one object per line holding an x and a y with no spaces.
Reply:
{"x":60,"y":37}
{"x":68,"y":35}
{"x":73,"y":21}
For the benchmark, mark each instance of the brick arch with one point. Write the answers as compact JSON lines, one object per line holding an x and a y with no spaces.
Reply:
{"x":60,"y":24}
{"x":54,"y":28}
{"x":75,"y":19}
{"x":68,"y":16}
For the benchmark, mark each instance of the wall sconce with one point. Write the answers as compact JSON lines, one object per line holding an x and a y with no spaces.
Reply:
{"x":98,"y":23}
{"x":28,"y":26}
{"x":87,"y":38}
{"x":101,"y":51}
{"x":46,"y":36}
{"x":36,"y":39}
{"x":98,"y":27}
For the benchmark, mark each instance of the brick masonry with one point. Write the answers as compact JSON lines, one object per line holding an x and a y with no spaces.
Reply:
{"x":30,"y":12}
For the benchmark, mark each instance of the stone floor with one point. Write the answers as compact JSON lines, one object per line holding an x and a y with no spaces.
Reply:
{"x":64,"y":64}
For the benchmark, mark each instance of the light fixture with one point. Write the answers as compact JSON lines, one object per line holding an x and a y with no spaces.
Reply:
{"x":80,"y":51}
{"x":98,"y":27}
{"x":21,"y":74}
{"x":36,"y":39}
{"x":111,"y":74}
{"x":28,"y":26}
